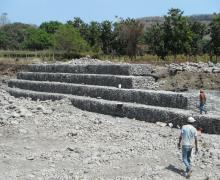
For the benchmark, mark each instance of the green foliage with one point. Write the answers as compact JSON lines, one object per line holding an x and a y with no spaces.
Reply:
{"x":215,"y":35}
{"x":15,"y":35}
{"x":117,"y":46}
{"x":154,"y":37}
{"x":81,"y":26}
{"x":50,"y":27}
{"x":173,"y":35}
{"x":94,"y":35}
{"x":3,"y":40}
{"x":90,"y":32}
{"x":107,"y":36}
{"x":37,"y":39}
{"x":68,"y":39}
{"x":198,"y":42}
{"x":178,"y":35}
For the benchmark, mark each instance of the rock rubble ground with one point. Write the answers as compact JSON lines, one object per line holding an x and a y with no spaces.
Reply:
{"x":195,"y":67}
{"x":54,"y":140}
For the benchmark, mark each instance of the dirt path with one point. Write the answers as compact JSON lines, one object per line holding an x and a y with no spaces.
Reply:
{"x":54,"y":140}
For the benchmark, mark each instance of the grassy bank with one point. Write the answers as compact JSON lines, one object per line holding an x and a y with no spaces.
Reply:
{"x":155,"y":59}
{"x":49,"y":55}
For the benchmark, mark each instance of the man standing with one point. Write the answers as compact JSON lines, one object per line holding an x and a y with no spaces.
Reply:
{"x":187,"y":136}
{"x":202,"y":98}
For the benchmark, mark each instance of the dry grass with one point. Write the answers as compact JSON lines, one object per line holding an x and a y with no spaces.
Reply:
{"x":148,"y":58}
{"x":27,"y":57}
{"x":19,"y":61}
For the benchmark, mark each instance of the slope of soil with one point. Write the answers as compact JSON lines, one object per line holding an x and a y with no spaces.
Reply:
{"x":185,"y":80}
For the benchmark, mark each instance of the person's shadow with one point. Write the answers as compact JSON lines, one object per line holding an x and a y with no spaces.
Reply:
{"x":175,"y":169}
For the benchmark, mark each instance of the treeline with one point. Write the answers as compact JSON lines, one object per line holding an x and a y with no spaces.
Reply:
{"x":177,"y":34}
{"x":180,"y":35}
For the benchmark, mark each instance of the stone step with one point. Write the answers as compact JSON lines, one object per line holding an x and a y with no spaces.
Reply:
{"x":210,"y":124}
{"x":149,"y":97}
{"x":130,"y":82}
{"x":115,"y":69}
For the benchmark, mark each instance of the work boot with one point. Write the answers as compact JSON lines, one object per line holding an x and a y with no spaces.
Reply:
{"x":189,"y":174}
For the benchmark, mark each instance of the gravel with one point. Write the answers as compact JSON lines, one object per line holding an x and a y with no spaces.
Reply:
{"x":195,"y":67}
{"x":54,"y":140}
{"x":87,"y":60}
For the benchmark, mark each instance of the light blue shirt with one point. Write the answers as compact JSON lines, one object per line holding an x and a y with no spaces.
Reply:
{"x":188,"y":133}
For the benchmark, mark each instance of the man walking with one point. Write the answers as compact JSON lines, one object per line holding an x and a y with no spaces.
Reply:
{"x":187,"y":136}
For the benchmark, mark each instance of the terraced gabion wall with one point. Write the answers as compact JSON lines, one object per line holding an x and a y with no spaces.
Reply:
{"x":210,"y":124}
{"x":155,"y":98}
{"x":117,"y":69}
{"x":130,"y":82}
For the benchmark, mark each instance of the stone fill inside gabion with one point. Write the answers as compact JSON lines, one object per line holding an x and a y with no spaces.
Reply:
{"x":109,"y":89}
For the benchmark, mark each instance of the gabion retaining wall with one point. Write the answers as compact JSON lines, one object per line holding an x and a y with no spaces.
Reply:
{"x":210,"y":124}
{"x":89,"y":88}
{"x":156,"y":98}
{"x":130,"y":82}
{"x":118,"y":69}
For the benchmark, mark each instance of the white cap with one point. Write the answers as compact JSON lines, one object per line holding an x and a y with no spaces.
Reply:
{"x":191,"y":120}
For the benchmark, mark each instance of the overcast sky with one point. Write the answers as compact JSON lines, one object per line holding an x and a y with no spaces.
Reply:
{"x":38,"y":11}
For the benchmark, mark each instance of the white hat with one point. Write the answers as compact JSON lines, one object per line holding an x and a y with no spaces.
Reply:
{"x":191,"y":120}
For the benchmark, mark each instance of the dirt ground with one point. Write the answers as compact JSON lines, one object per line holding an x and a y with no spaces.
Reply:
{"x":190,"y":80}
{"x":182,"y":80}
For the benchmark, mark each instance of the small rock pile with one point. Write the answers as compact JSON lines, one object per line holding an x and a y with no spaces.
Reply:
{"x":86,"y":60}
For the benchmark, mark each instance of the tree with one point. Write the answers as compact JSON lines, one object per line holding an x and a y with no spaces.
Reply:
{"x":82,"y":27}
{"x":118,"y":46}
{"x":215,"y":35}
{"x":129,"y":33}
{"x":3,"y":40}
{"x":154,"y":37}
{"x":94,"y":38}
{"x":16,"y":34}
{"x":106,"y":36}
{"x":37,"y":39}
{"x":199,"y":31}
{"x":76,"y":23}
{"x":50,"y":27}
{"x":68,"y":39}
{"x":178,"y":35}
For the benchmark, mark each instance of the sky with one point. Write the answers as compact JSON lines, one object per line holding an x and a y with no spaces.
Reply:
{"x":38,"y":11}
